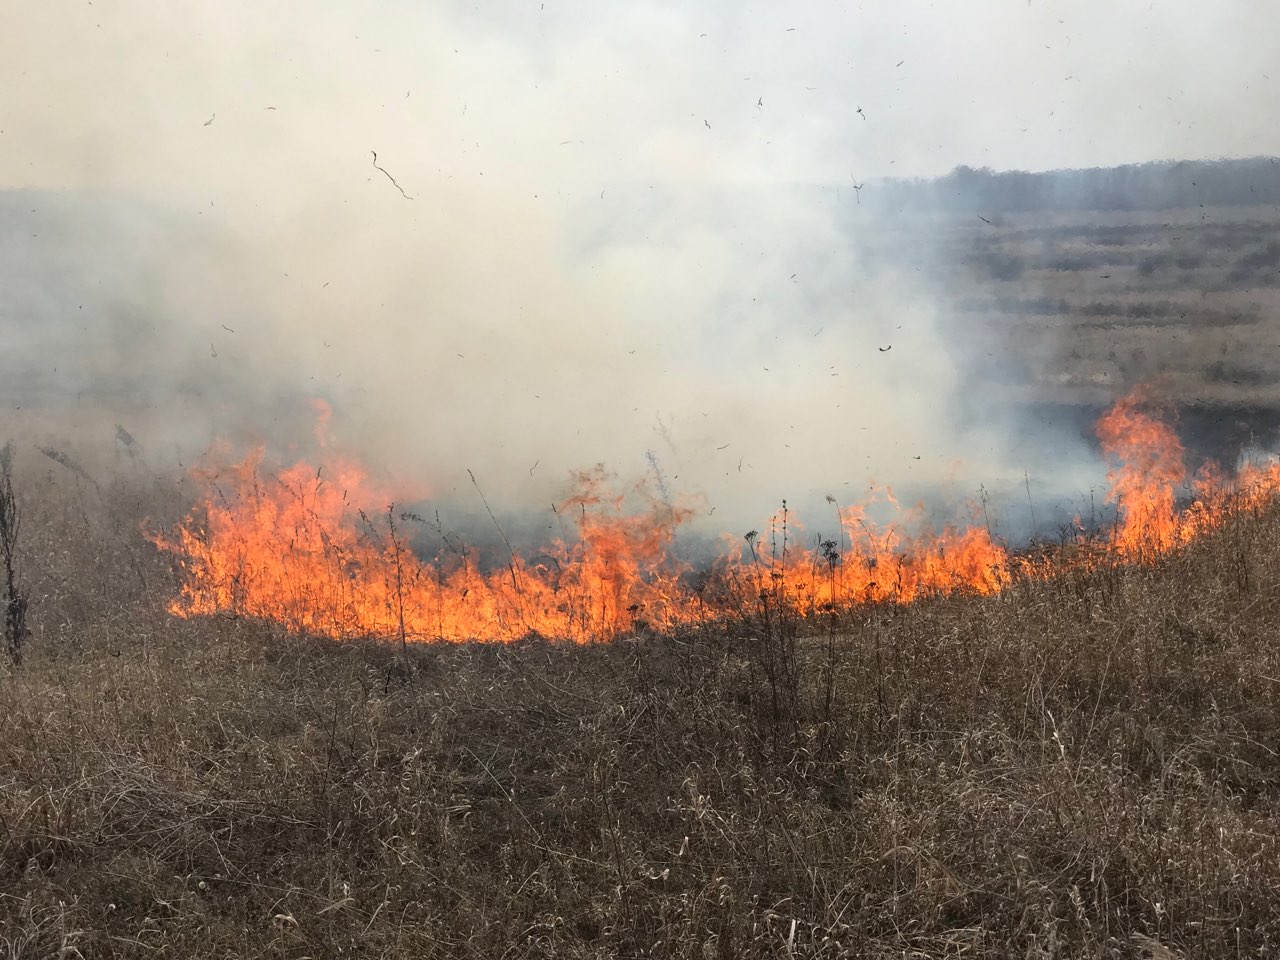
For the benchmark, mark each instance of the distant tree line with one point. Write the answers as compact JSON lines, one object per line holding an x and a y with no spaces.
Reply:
{"x":1146,"y":186}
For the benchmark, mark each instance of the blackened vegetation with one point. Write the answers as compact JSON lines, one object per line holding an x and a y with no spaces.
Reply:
{"x":15,"y":608}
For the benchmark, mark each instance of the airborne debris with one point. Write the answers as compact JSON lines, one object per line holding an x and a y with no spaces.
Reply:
{"x":389,"y":176}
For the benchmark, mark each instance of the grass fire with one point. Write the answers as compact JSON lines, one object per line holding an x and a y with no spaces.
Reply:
{"x":880,"y":741}
{"x":305,"y":546}
{"x":672,"y":481}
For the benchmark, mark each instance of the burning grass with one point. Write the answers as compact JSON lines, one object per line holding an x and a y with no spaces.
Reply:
{"x":1081,"y":765}
{"x":295,"y":546}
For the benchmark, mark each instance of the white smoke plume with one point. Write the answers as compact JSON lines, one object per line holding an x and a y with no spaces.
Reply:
{"x":524,"y":238}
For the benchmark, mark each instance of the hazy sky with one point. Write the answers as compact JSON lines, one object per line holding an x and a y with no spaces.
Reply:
{"x":560,"y":273}
{"x":117,"y":93}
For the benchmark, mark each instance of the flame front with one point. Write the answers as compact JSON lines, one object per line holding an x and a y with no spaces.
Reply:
{"x":295,"y":547}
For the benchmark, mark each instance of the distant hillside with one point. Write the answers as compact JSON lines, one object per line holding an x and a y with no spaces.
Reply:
{"x":1147,"y":186}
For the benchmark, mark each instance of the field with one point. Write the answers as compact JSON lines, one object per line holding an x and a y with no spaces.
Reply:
{"x":1083,"y":766}
{"x":1055,"y":314}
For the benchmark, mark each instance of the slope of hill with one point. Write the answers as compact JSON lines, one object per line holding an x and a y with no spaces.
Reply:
{"x":1084,"y":766}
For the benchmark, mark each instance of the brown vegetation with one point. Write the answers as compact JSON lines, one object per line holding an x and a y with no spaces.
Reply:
{"x":1085,"y":305}
{"x":1084,"y":766}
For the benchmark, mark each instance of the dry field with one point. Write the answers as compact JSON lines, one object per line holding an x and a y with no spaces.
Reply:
{"x":1082,"y":767}
{"x":1060,"y":313}
{"x":1079,"y":766}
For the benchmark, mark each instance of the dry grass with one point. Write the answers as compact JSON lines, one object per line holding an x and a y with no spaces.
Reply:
{"x":1085,"y":305}
{"x":1080,"y":768}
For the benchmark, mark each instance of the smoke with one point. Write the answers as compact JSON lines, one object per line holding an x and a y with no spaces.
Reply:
{"x":524,"y":239}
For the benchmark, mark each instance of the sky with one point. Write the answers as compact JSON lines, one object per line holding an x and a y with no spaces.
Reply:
{"x":526,"y":237}
{"x":116,"y":95}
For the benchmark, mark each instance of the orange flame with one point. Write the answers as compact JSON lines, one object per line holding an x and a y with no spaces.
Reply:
{"x":1146,"y":468}
{"x":295,"y":547}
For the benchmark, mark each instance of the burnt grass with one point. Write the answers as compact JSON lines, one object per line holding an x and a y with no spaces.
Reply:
{"x":1084,"y":767}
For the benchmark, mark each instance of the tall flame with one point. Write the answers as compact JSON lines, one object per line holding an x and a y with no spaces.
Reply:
{"x":296,"y":546}
{"x":1147,"y":467}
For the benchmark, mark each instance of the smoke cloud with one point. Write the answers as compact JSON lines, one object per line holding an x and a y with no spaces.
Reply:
{"x":526,"y":238}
